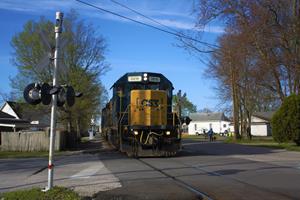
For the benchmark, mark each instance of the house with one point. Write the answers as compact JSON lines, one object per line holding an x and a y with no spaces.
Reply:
{"x":23,"y":115}
{"x":202,"y":122}
{"x":11,"y":108}
{"x":260,"y":124}
{"x":11,"y":123}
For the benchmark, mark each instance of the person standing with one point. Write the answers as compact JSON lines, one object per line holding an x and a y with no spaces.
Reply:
{"x":210,"y":134}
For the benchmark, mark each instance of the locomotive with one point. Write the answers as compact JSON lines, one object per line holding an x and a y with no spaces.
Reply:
{"x":138,"y":119}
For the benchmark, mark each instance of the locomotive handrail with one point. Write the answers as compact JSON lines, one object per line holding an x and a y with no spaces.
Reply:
{"x":126,"y":111}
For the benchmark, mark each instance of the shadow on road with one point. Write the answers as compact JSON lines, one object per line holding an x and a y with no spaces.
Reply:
{"x":198,"y":148}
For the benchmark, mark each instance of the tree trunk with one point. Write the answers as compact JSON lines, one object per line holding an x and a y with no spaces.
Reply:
{"x":235,"y":104}
{"x":249,"y":135}
{"x":78,"y":135}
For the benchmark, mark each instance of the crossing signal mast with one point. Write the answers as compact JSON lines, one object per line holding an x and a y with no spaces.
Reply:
{"x":36,"y":93}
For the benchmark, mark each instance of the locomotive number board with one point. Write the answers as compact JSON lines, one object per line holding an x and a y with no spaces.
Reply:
{"x":134,"y":78}
{"x":154,"y":79}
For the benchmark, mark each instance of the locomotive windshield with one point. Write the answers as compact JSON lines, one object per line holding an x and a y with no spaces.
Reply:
{"x":140,"y":86}
{"x":149,"y":86}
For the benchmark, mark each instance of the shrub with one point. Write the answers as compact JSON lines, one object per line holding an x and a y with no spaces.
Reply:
{"x":286,"y":121}
{"x":57,"y":193}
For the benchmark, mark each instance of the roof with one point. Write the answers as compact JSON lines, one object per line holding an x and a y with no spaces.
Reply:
{"x":28,"y":113}
{"x":264,"y":115}
{"x":5,"y":115}
{"x":216,"y":116}
{"x":124,"y":78}
{"x":16,"y":106}
{"x":13,"y":121}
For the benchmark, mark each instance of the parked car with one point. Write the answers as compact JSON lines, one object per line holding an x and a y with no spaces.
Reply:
{"x":202,"y":131}
{"x":225,"y":133}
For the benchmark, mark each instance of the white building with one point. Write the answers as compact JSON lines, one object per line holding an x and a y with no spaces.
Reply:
{"x":260,"y":124}
{"x":204,"y":121}
{"x":23,"y":113}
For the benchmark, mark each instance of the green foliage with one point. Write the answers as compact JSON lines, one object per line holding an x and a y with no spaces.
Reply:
{"x":31,"y":154}
{"x":83,"y":55}
{"x":286,"y":121}
{"x":264,"y":142}
{"x":57,"y":193}
{"x":186,"y":105}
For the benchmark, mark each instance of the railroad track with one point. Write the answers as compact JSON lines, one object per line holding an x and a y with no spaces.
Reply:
{"x":200,"y":195}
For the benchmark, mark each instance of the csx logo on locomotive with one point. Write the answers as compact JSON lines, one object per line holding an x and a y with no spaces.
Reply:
{"x":150,"y":102}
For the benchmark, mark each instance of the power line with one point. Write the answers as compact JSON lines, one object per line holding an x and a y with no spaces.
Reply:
{"x":172,"y":29}
{"x":145,"y":24}
{"x":145,"y":16}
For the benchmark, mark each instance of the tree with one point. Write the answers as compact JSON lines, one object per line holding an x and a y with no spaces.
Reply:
{"x":256,"y":62}
{"x":205,"y":110}
{"x":286,"y":121}
{"x":186,"y":105}
{"x":83,"y":54}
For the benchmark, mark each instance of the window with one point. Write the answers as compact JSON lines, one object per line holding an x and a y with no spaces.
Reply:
{"x":195,"y":127}
{"x":224,"y":125}
{"x":153,"y":87}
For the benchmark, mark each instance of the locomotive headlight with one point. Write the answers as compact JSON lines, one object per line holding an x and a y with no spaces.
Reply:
{"x":168,"y":132}
{"x":135,"y":132}
{"x":145,"y":76}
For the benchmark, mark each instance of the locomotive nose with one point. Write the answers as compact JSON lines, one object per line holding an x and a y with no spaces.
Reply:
{"x":148,"y":108}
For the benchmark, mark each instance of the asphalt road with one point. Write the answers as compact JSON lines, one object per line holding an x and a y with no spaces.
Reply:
{"x":201,"y":171}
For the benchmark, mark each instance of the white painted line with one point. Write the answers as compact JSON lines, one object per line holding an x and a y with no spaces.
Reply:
{"x":95,"y":178}
{"x":88,"y":172}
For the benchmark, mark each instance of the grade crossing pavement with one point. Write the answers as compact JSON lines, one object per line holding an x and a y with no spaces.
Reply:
{"x":216,"y":170}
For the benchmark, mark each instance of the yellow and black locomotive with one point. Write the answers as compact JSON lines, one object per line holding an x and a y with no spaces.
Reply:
{"x":138,"y":119}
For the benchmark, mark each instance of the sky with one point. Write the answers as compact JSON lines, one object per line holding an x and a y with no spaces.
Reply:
{"x":131,"y":47}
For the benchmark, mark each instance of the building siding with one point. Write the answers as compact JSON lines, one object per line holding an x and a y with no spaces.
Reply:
{"x":198,"y":126}
{"x":259,"y":130}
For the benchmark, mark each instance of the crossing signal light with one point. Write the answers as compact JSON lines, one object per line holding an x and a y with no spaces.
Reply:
{"x":45,"y":94}
{"x":36,"y":93}
{"x":61,"y":97}
{"x":70,"y":96}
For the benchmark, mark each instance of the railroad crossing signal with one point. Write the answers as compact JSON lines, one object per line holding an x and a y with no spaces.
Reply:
{"x":36,"y":93}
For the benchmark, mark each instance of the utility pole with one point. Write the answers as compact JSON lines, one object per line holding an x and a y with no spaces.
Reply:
{"x":58,"y":30}
{"x":180,"y":99}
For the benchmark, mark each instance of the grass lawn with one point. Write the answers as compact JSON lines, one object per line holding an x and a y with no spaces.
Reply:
{"x":57,"y":193}
{"x":201,"y":137}
{"x":18,"y":154}
{"x":265,"y":142}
